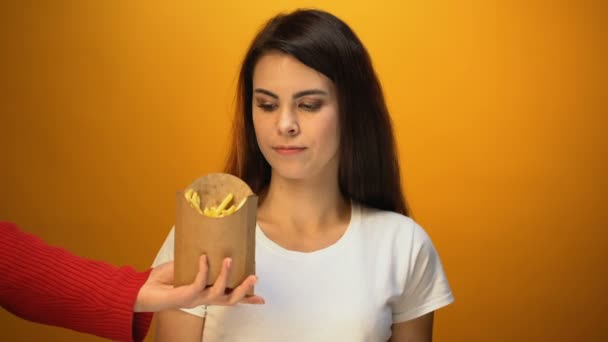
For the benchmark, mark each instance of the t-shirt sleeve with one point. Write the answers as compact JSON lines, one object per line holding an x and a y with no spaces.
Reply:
{"x":426,"y":288}
{"x":166,"y":254}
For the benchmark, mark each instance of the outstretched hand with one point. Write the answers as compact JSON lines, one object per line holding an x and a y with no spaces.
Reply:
{"x":158,"y":293}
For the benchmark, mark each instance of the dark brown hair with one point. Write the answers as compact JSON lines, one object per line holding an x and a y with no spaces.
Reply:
{"x":369,"y":169}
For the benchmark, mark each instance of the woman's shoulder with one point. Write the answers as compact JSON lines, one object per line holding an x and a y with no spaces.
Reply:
{"x":385,"y":218}
{"x":386,"y":222}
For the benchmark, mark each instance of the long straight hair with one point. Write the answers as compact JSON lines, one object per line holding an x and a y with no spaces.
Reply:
{"x":368,"y":168}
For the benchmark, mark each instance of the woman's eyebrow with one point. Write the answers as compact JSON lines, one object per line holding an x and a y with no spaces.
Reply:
{"x":309,"y":92}
{"x":266,"y":92}
{"x":295,"y":96}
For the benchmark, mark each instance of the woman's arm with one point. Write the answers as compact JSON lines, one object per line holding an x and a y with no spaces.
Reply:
{"x":176,"y":325}
{"x":416,"y":330}
{"x":49,"y":285}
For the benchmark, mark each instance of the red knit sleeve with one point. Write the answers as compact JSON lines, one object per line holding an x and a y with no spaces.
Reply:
{"x":49,"y":285}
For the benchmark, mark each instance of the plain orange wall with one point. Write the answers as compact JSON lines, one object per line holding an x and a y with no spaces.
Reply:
{"x":108,"y":107}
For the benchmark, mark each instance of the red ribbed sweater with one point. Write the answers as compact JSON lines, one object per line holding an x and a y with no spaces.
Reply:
{"x":49,"y":285}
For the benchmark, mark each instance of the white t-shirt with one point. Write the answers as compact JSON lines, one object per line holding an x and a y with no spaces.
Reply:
{"x":383,"y":270}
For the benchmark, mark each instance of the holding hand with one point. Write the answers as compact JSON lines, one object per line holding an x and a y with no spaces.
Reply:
{"x":158,"y":293}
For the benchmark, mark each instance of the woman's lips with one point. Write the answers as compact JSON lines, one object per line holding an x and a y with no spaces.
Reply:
{"x":288,"y":150}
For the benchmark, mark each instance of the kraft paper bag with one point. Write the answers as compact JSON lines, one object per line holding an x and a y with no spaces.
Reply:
{"x":217,"y":237}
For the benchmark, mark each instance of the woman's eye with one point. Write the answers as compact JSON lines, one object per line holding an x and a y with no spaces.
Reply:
{"x":267,"y":107}
{"x":310,"y":106}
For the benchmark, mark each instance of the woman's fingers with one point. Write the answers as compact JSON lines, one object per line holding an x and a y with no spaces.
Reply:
{"x":159,"y":287}
{"x":218,"y":289}
{"x":252,"y":300}
{"x":218,"y":294}
{"x":240,"y":292}
{"x":201,"y":277}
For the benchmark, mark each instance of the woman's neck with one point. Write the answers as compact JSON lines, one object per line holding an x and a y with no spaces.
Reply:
{"x":305,"y":206}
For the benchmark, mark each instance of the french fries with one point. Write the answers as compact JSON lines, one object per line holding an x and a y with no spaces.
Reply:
{"x":221,"y":210}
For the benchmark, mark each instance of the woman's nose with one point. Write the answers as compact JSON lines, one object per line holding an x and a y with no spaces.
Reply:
{"x":288,"y":122}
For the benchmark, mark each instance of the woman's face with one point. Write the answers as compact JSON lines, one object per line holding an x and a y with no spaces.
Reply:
{"x":295,"y":116}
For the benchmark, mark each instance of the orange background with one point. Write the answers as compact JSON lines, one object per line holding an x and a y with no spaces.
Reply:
{"x":108,"y":107}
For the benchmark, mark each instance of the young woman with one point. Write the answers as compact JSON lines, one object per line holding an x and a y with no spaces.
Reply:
{"x":336,"y":256}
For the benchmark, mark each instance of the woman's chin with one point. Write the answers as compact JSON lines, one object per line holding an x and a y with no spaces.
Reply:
{"x":291,"y":174}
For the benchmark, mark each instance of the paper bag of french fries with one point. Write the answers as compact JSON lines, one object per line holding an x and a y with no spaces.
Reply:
{"x":215,"y":216}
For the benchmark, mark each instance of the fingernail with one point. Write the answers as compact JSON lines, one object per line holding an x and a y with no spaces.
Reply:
{"x":228,"y":262}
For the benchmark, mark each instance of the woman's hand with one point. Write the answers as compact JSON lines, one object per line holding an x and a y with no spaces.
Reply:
{"x":158,"y":293}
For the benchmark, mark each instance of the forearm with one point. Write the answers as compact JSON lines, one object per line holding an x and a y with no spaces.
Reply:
{"x":49,"y":285}
{"x":177,"y":325}
{"x":416,"y":330}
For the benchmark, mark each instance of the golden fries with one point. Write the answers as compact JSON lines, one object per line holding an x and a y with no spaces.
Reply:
{"x":193,"y":199}
{"x":225,"y":203}
{"x":220,"y":211}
